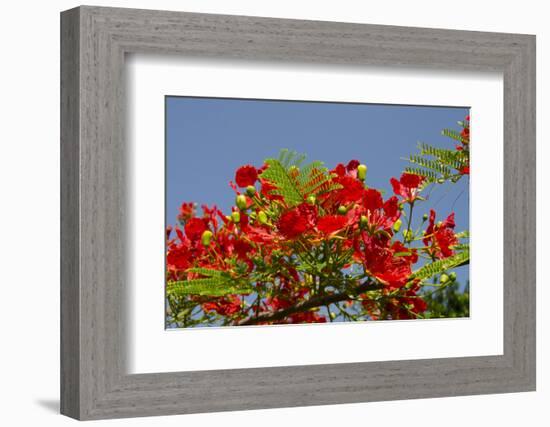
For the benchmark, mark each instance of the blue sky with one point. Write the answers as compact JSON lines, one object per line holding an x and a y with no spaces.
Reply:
{"x":207,"y":139}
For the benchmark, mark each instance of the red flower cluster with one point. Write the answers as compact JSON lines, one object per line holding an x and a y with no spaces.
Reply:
{"x":314,"y":235}
{"x":465,"y":145}
{"x":440,"y":238}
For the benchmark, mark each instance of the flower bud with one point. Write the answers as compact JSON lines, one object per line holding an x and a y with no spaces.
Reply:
{"x":342,"y":210}
{"x":364,"y":221}
{"x":311,"y":200}
{"x":397,"y":225}
{"x":424,"y":217}
{"x":235,"y":217}
{"x":407,"y":234}
{"x":262,"y":217}
{"x":241,"y":201}
{"x":443,"y":278}
{"x":452,"y":276}
{"x":206,"y":238}
{"x":251,"y":190}
{"x":362,"y":172}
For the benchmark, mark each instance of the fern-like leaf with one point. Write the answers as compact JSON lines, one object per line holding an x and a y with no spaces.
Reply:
{"x":278,"y":175}
{"x":453,"y":134}
{"x":210,"y":286}
{"x":208,"y":272}
{"x":442,"y":265}
{"x":294,"y":182}
{"x":434,"y":165}
{"x":451,"y":158}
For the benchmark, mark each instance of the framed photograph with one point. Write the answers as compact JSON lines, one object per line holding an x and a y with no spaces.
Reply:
{"x":262,"y":213}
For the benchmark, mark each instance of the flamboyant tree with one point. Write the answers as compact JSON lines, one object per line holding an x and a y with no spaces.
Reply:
{"x":306,"y":244}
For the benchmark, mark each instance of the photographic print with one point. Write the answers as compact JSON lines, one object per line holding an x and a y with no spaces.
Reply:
{"x":293,"y":212}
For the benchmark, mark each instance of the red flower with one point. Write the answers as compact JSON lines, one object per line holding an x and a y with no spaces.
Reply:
{"x":178,"y":258}
{"x":380,"y":214}
{"x":331,"y":224}
{"x":407,"y":186}
{"x":297,"y":221}
{"x":226,"y":306}
{"x":194,"y":228}
{"x":352,"y":190}
{"x":258,"y":234}
{"x":246,"y":175}
{"x":339,"y":170}
{"x":372,"y":199}
{"x":391,"y":209}
{"x":242,"y":249}
{"x":352,"y":165}
{"x":465,"y":170}
{"x":396,"y":272}
{"x":187,"y":211}
{"x":211,"y":215}
{"x":383,"y":262}
{"x":401,"y":250}
{"x":440,"y":237}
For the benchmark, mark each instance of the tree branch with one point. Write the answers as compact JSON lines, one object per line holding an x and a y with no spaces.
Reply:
{"x":306,"y":305}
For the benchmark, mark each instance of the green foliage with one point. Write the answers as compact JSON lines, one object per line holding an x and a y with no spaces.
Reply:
{"x":448,"y":302}
{"x":277,"y":174}
{"x":294,"y":182}
{"x":216,"y":283}
{"x":453,"y":134}
{"x":434,"y":165}
{"x":438,"y":165}
{"x":440,"y":266}
{"x":452,"y":158}
{"x":208,"y":272}
{"x":463,"y":234}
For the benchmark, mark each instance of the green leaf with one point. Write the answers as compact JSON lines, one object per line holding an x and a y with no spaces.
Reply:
{"x":311,"y":179}
{"x":463,"y":234}
{"x":461,"y":247}
{"x":450,"y":158}
{"x":442,"y":265}
{"x":434,"y":165}
{"x":278,"y":175}
{"x":207,"y":272}
{"x":453,"y":134}
{"x":211,"y":286}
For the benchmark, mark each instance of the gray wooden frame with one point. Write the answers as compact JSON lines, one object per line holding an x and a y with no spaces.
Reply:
{"x":94,"y":41}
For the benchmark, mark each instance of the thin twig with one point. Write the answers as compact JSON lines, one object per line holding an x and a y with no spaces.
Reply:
{"x":313,"y":302}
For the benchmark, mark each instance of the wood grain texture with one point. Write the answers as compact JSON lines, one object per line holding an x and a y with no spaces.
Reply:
{"x":70,"y":291}
{"x":94,"y":382}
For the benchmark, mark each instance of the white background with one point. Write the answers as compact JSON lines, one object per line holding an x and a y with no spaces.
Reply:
{"x":29,"y":176}
{"x":151,"y":78}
